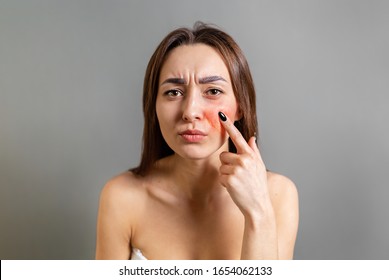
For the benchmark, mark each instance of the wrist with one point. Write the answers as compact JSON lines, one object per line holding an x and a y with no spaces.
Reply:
{"x":265,"y":217}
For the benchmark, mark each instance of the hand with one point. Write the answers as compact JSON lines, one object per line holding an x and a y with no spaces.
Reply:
{"x":244,"y":174}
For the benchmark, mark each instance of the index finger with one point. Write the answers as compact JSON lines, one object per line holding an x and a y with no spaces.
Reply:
{"x":235,"y":135}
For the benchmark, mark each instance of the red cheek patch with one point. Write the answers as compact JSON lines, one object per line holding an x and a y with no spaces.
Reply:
{"x":212,"y":117}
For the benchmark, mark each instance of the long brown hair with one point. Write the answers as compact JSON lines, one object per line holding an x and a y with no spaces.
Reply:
{"x":154,"y":146}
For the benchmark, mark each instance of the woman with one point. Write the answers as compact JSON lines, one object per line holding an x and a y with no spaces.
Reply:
{"x":201,"y":190}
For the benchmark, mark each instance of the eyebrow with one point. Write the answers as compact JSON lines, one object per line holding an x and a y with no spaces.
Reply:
{"x":205,"y":80}
{"x":177,"y":81}
{"x":211,"y":79}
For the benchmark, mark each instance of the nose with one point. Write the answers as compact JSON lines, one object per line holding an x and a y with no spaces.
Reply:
{"x":192,"y":108}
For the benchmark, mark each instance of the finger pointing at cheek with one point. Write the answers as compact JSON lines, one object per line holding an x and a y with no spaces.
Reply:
{"x":240,"y":143}
{"x":243,"y":174}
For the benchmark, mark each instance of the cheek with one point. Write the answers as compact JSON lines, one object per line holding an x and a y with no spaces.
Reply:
{"x":212,"y":117}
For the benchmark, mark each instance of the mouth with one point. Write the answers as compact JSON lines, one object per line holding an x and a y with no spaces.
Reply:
{"x":193,"y":135}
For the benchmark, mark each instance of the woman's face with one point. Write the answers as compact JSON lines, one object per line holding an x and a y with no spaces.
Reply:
{"x":194,"y":86}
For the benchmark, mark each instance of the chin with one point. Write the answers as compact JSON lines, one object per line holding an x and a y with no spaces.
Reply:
{"x":194,"y":155}
{"x":197,"y":152}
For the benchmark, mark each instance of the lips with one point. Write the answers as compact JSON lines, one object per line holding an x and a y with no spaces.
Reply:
{"x":193,"y":135}
{"x":193,"y":132}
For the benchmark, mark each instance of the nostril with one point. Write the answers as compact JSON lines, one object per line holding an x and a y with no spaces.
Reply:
{"x":190,"y":118}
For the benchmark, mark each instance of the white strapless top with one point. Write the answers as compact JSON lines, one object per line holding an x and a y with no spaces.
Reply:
{"x":136,"y":254}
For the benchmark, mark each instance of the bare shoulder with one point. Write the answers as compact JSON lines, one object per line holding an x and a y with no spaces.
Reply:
{"x":284,"y":197}
{"x":122,"y":183}
{"x":121,"y":200}
{"x":123,"y":189}
{"x":281,"y":187}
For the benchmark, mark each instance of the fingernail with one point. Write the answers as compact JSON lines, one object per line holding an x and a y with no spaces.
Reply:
{"x":222,"y":116}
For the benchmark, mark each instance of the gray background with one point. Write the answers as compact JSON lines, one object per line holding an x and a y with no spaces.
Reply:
{"x":71,"y":76}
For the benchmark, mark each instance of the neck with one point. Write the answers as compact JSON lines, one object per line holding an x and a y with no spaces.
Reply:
{"x":194,"y":179}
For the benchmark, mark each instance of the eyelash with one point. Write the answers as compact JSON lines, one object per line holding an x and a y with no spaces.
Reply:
{"x":173,"y":92}
{"x":176,"y":92}
{"x":212,"y":91}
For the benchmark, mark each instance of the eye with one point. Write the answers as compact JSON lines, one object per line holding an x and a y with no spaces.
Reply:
{"x":173,"y":93}
{"x":214,"y":92}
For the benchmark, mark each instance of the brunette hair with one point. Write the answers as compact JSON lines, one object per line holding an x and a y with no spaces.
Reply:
{"x":154,"y":146}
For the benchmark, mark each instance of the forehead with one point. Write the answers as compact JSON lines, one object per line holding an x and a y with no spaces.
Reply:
{"x":197,"y":59}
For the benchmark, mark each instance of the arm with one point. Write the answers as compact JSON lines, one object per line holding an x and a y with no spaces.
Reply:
{"x":275,"y":229}
{"x":113,"y":228}
{"x":260,"y":239}
{"x":269,"y":207}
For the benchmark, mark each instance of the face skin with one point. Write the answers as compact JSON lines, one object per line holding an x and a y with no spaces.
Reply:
{"x":194,"y":86}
